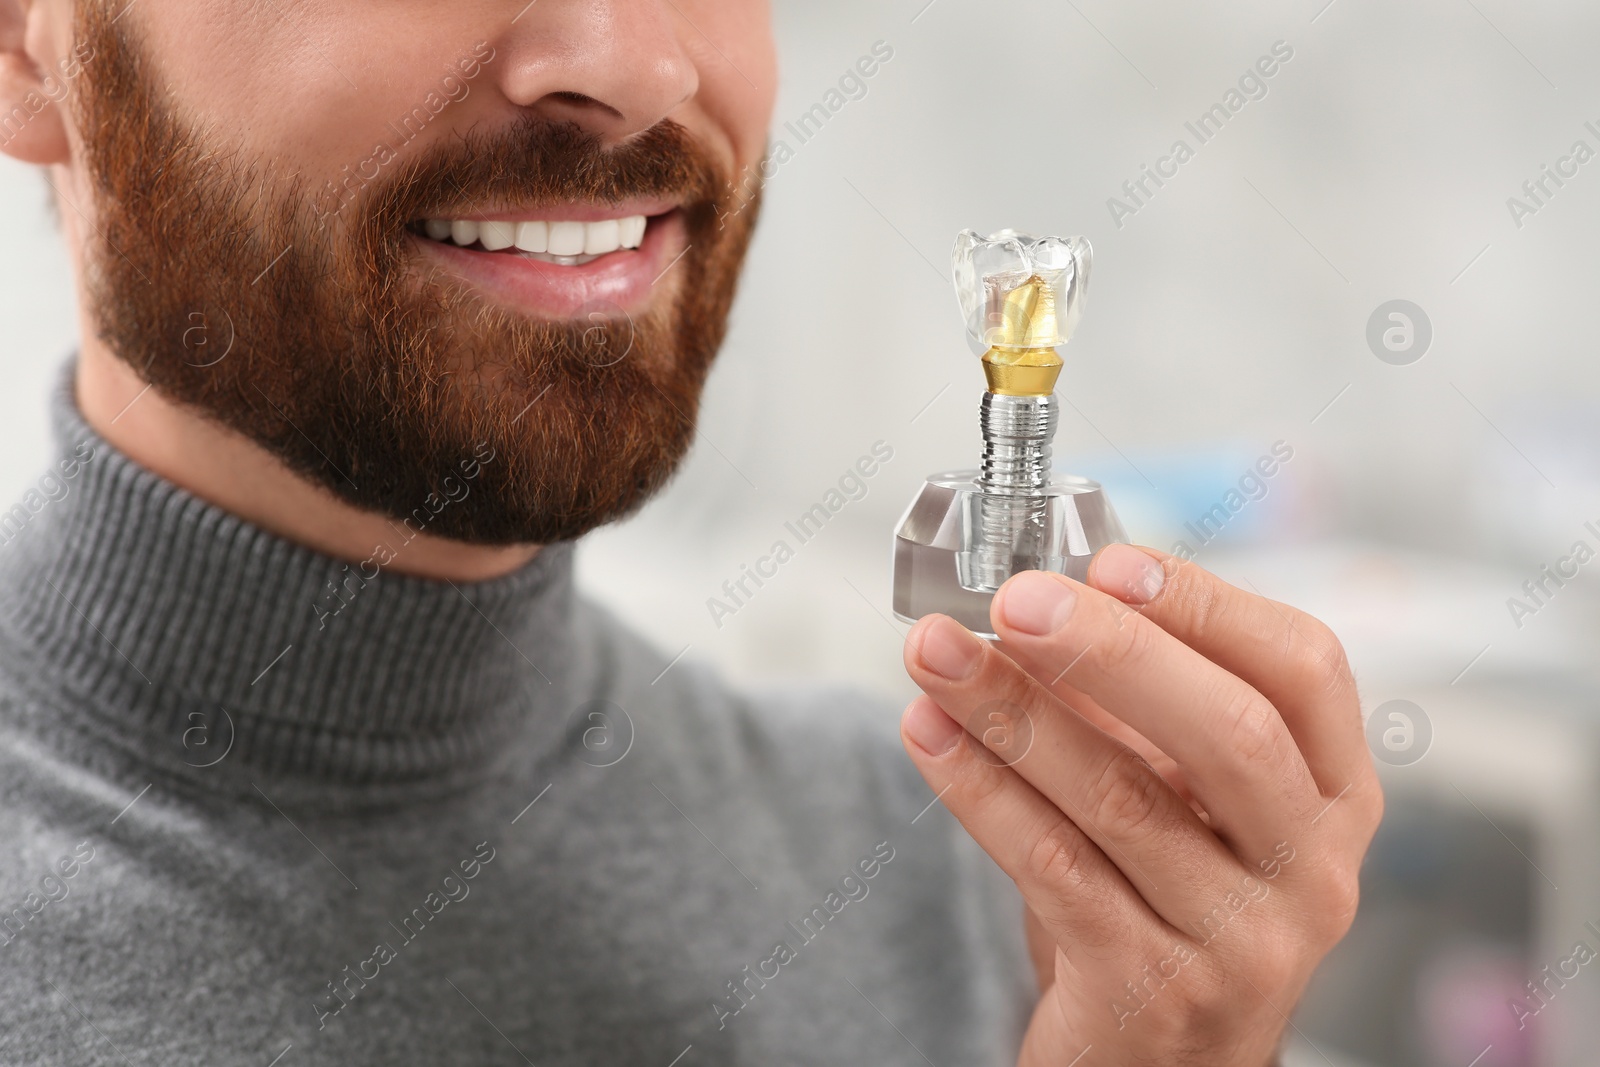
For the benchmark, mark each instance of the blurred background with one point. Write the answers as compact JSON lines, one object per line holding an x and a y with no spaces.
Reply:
{"x":1438,"y":460}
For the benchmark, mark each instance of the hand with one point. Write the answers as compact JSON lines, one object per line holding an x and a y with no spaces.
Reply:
{"x":1174,"y":773}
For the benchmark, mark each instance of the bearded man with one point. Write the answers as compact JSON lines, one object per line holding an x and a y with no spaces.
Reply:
{"x":311,"y":754}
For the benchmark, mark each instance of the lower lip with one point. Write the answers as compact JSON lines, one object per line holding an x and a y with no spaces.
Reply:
{"x":622,"y":280}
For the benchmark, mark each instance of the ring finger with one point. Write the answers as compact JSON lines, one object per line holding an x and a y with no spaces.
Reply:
{"x":1079,"y":896}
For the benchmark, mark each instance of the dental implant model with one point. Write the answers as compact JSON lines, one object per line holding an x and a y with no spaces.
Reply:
{"x":968,"y":531}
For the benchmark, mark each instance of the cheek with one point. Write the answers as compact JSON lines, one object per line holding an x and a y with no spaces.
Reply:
{"x":743,"y":33}
{"x":313,"y":83}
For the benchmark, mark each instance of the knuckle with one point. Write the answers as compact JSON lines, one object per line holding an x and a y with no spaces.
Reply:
{"x":1372,"y":805}
{"x":1319,"y":658}
{"x":1058,"y":855}
{"x":1253,"y":730}
{"x":1201,"y":1006}
{"x":1128,"y":795}
{"x":1276,"y":967}
{"x":1205,"y":609}
{"x":979,"y":783}
{"x":1125,"y":647}
{"x":1363,"y":806}
{"x":1004,"y":728}
{"x":1341,"y":900}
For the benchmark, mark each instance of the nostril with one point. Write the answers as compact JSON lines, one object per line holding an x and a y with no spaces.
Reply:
{"x":583,"y":102}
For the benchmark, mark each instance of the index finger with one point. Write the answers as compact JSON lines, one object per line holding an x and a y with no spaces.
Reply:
{"x":1238,"y":755}
{"x":1289,"y":657}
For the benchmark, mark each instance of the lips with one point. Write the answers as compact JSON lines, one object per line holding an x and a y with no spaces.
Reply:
{"x":559,"y":262}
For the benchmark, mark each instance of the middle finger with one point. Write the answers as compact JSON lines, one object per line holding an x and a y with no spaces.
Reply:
{"x":1122,"y":803}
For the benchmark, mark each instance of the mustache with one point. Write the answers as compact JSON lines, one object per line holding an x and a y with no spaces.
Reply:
{"x":535,"y":161}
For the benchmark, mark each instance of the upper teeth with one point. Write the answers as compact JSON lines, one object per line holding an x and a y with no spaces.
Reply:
{"x":554,"y":238}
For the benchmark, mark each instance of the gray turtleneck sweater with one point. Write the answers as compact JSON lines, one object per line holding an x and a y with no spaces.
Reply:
{"x":261,"y":807}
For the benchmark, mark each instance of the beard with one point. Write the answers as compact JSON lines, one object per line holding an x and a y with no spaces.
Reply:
{"x":323,"y":339}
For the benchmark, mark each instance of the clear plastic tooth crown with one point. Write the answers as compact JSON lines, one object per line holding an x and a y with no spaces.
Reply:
{"x":989,"y":272}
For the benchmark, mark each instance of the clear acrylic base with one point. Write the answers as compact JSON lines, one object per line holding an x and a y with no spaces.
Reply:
{"x":957,"y":544}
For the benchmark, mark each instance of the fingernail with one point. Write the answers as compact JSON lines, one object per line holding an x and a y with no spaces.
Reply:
{"x":933,"y":731}
{"x":1126,"y":572}
{"x":948,"y":650}
{"x":1037,"y":604}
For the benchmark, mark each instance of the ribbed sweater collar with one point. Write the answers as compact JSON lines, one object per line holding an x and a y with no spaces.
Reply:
{"x":144,"y":613}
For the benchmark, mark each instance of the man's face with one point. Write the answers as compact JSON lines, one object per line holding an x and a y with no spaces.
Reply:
{"x":386,"y":241}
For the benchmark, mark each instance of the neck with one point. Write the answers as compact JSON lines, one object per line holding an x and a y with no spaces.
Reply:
{"x":148,"y":622}
{"x":233,"y":473}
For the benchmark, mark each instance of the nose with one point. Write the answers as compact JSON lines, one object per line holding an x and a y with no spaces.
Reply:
{"x":615,"y":67}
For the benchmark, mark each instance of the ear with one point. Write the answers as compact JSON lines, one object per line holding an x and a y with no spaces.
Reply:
{"x":34,"y":82}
